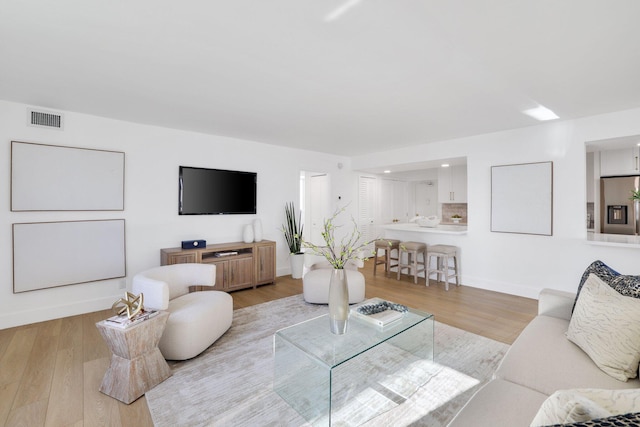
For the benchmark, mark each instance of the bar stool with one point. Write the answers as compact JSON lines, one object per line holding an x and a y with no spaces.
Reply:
{"x":442,"y":254}
{"x":412,"y":249}
{"x":387,"y":245}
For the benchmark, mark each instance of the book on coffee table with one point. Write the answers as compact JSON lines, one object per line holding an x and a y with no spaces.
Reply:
{"x":377,"y":312}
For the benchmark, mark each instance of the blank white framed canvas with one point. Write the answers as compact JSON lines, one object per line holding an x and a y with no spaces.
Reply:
{"x":52,"y":254}
{"x":59,"y":178}
{"x":522,"y":198}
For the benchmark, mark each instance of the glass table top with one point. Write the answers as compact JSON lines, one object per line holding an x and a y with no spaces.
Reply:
{"x":316,"y":340}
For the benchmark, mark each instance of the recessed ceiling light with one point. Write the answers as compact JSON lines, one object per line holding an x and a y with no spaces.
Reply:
{"x":445,"y":165}
{"x":541,"y":113}
{"x":387,"y":171}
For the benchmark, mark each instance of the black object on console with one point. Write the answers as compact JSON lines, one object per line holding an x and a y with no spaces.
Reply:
{"x":193,"y":244}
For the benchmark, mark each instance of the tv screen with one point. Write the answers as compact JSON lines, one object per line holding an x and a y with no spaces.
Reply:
{"x":216,"y":192}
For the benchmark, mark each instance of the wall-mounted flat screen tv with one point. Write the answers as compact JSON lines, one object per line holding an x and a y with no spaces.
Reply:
{"x":216,"y":191}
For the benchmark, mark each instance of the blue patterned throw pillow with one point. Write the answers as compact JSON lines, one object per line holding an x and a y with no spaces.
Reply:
{"x":628,"y":286}
{"x":600,"y":269}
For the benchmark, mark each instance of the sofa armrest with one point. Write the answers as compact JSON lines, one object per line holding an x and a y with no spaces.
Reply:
{"x":156,"y":292}
{"x":554,"y":303}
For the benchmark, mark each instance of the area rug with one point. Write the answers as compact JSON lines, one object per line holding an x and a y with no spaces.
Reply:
{"x":231,"y":383}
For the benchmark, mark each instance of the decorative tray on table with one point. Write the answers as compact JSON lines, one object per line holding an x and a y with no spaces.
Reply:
{"x":378,"y":311}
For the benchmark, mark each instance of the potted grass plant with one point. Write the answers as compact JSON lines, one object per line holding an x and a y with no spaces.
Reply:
{"x":292,"y":230}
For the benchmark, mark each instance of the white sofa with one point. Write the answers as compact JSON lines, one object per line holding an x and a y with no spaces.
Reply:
{"x":540,"y":362}
{"x":197,"y":319}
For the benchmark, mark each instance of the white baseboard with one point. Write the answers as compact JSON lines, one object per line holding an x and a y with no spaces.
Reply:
{"x":41,"y":314}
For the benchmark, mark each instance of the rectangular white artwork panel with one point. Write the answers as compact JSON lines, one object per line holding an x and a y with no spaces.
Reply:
{"x":51,"y":254}
{"x":56,"y":178}
{"x":522,"y":198}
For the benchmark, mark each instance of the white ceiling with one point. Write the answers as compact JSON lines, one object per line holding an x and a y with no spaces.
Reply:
{"x":338,"y":76}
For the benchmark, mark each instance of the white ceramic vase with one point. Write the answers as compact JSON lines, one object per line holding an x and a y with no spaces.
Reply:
{"x":247,"y":235}
{"x":338,"y":302}
{"x":297,"y":265}
{"x":257,"y":230}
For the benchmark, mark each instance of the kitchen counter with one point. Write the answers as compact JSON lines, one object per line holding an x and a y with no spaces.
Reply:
{"x":440,"y":229}
{"x":620,"y":240}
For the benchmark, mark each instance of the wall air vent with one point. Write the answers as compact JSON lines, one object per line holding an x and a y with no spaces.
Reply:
{"x":43,"y":118}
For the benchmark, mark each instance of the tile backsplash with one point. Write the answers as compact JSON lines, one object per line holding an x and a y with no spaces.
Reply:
{"x":450,"y":209}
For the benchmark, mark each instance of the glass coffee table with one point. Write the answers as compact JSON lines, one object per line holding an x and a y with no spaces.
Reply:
{"x":348,"y":379}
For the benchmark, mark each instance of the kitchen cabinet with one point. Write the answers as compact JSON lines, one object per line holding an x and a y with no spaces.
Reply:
{"x":238,"y":265}
{"x":620,"y":162}
{"x":452,"y":184}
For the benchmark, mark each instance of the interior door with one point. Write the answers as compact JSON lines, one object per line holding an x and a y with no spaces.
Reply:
{"x":387,"y":201}
{"x":319,"y":205}
{"x":367,"y":201}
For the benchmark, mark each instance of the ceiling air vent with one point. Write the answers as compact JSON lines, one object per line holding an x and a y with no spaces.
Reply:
{"x":47,"y":119}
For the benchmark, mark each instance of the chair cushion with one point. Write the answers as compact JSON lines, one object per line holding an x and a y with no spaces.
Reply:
{"x":443,"y":249}
{"x":499,"y":403}
{"x":413,"y":246}
{"x":543,"y":359}
{"x":196,"y":321}
{"x":387,"y":243}
{"x":315,"y":286}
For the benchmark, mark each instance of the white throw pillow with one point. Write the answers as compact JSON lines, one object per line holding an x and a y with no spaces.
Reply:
{"x":606,"y":326}
{"x":579,"y":405}
{"x":567,"y":406}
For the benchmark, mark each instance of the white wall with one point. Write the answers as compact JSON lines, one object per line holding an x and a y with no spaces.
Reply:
{"x":512,"y":263}
{"x":152,"y":157}
{"x":517,"y":263}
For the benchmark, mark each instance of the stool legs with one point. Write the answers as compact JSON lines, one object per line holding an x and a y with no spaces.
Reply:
{"x":443,"y":269}
{"x":387,"y":260}
{"x":412,"y":263}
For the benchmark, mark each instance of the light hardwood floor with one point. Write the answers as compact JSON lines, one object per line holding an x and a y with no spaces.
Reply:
{"x":50,"y":371}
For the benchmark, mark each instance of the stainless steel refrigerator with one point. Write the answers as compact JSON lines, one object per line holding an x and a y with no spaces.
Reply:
{"x":618,"y":214}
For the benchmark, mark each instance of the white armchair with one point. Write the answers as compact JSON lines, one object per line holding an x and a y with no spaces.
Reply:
{"x":197,"y":319}
{"x":315,"y":281}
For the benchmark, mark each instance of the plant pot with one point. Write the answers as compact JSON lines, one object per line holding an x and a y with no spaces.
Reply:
{"x":297,"y":265}
{"x":338,"y":302}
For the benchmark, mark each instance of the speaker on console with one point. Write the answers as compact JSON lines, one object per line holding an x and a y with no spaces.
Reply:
{"x":193,"y":244}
